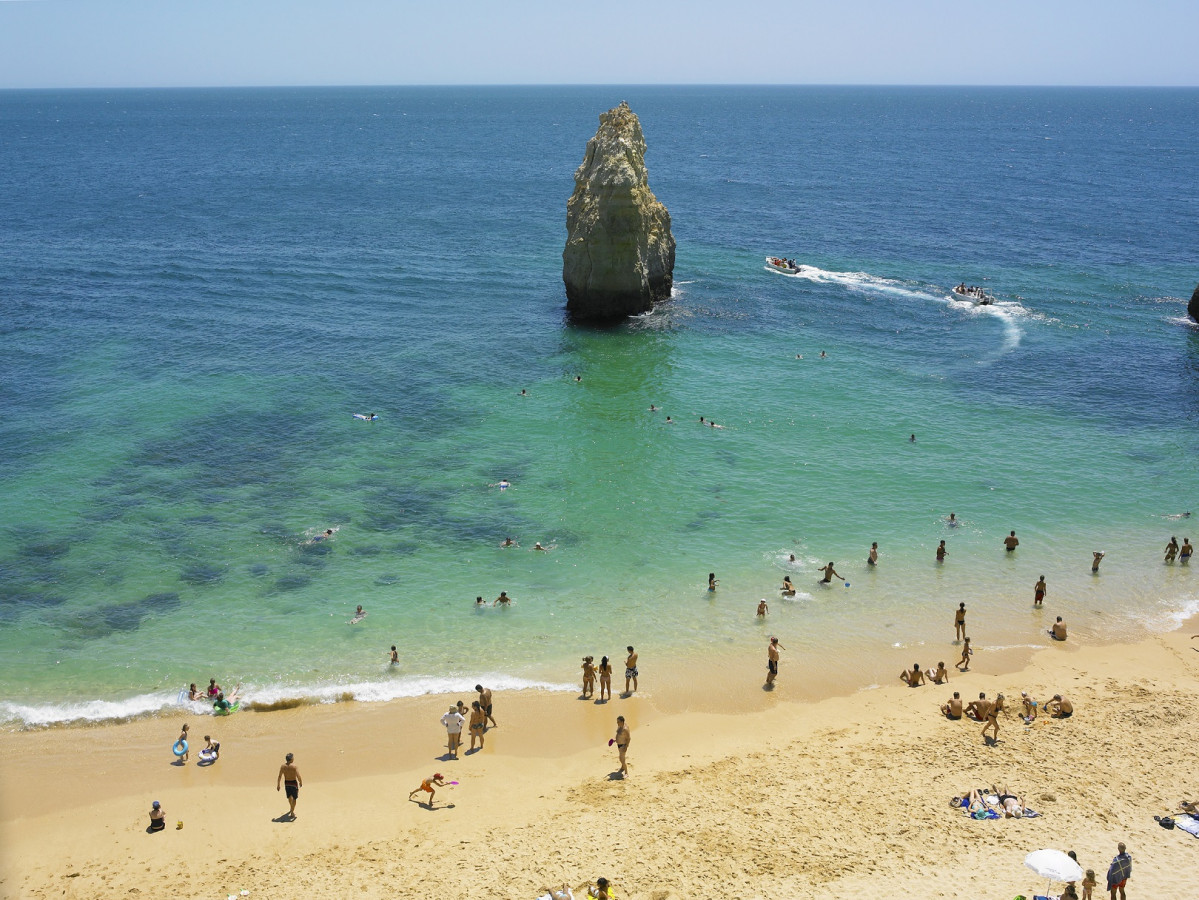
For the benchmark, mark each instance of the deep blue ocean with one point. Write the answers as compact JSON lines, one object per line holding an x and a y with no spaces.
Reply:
{"x":199,"y":288}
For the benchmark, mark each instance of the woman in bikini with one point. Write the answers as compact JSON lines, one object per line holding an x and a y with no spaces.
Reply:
{"x":588,"y":677}
{"x":478,"y":721}
{"x":605,"y":679}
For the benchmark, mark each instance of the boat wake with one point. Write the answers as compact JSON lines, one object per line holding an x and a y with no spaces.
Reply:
{"x":1009,"y":313}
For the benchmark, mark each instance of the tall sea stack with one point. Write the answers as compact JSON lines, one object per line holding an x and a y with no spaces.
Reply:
{"x":1193,"y":306}
{"x":619,"y":256}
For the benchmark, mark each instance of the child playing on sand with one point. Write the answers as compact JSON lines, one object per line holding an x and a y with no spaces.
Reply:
{"x":427,"y":785}
{"x":212,"y":749}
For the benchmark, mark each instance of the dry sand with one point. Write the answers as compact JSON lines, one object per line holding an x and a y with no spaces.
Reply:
{"x":846,"y":797}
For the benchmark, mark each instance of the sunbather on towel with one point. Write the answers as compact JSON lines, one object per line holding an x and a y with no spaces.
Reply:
{"x":1011,"y":805}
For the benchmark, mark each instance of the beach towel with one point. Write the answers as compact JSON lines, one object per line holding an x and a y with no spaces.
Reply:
{"x":1189,"y":824}
{"x":1119,"y":871}
{"x":983,"y":814}
{"x":1031,"y":813}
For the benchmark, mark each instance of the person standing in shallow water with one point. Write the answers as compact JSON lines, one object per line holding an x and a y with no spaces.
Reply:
{"x":712,"y":581}
{"x":959,"y":622}
{"x":872,"y":556}
{"x":630,"y":670}
{"x":1011,"y":542}
{"x":772,"y":660}
{"x":942,"y":552}
{"x":1038,"y":591}
{"x":1171,"y":549}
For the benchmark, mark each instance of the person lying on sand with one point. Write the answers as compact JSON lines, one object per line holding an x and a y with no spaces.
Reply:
{"x":1011,"y":805}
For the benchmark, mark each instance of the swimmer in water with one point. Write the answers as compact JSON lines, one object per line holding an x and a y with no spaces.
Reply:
{"x":669,"y":420}
{"x":479,"y":603}
{"x":912,"y":439}
{"x":523,"y":392}
{"x":942,"y":552}
{"x":508,"y":542}
{"x":537,"y":546}
{"x":872,"y":557}
{"x":788,"y":588}
{"x":1097,"y":559}
{"x":763,"y":609}
{"x":791,"y":558}
{"x":829,"y":574}
{"x":712,"y":582}
{"x":503,"y":484}
{"x":823,"y":355}
{"x":323,"y":537}
{"x":952,"y":521}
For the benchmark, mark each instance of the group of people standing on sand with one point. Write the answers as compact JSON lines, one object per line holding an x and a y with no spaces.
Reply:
{"x":592,"y":672}
{"x":475,"y":717}
{"x":603,"y":672}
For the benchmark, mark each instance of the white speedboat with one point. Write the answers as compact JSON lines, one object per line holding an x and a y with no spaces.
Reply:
{"x":975,"y":295}
{"x":782,"y":265}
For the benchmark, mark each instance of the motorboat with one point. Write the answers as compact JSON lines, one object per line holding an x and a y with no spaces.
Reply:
{"x":976,"y":295}
{"x":782,"y":265}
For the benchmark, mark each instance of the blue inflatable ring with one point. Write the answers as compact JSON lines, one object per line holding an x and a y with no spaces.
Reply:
{"x":180,"y":747}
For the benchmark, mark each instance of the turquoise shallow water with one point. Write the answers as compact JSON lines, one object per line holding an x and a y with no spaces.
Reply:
{"x":201,"y":287}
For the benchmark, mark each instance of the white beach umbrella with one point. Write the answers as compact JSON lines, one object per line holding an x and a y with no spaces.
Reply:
{"x":1054,"y":865}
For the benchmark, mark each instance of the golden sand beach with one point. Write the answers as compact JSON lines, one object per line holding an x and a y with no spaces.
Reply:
{"x":842,"y":797}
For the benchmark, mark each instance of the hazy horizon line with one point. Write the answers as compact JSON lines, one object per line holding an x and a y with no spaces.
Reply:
{"x":580,"y":84}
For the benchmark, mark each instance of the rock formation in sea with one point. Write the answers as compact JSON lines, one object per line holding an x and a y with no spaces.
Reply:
{"x":619,"y":256}
{"x":1193,"y":306}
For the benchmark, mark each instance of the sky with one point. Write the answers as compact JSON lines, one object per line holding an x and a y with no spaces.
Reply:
{"x":172,"y":43}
